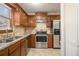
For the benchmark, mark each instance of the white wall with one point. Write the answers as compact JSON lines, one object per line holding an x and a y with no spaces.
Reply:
{"x":69,"y":29}
{"x":62,"y":31}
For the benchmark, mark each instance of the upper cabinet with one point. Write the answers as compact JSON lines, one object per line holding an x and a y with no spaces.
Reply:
{"x":18,"y":14}
{"x":50,"y":18}
{"x":41,"y":16}
{"x":48,"y":21}
{"x":31,"y":21}
{"x":20,"y":18}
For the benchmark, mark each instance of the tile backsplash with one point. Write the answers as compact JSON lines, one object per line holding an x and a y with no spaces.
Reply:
{"x":41,"y":27}
{"x":18,"y":31}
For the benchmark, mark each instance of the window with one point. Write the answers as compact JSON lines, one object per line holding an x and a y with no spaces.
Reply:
{"x":5,"y":17}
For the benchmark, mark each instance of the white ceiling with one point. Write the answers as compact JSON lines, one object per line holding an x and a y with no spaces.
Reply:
{"x":50,"y":8}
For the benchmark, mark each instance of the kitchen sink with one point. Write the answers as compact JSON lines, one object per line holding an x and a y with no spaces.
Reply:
{"x":1,"y":41}
{"x":9,"y":39}
{"x":16,"y":37}
{"x":6,"y":41}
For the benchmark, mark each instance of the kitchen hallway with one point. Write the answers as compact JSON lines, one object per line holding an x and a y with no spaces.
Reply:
{"x":44,"y":52}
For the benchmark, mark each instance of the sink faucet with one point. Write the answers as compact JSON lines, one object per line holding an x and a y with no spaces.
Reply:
{"x":7,"y":33}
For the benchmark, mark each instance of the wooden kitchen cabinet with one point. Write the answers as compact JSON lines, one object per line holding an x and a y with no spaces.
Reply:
{"x":48,"y":22}
{"x":33,"y":40}
{"x":41,"y":15}
{"x":50,"y":41}
{"x":14,"y":50}
{"x":19,"y":48}
{"x":4,"y":52}
{"x":23,"y":20}
{"x":29,"y":41}
{"x":31,"y":21}
{"x":23,"y":47}
{"x":20,"y":18}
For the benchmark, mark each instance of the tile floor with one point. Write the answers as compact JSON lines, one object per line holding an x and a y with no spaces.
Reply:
{"x":44,"y":52}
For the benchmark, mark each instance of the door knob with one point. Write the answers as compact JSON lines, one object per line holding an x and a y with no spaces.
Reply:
{"x":77,"y":45}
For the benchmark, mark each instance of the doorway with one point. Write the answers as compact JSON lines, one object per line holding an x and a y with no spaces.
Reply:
{"x":54,"y":45}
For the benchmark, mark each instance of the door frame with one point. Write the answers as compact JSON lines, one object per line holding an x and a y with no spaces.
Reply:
{"x":62,"y":30}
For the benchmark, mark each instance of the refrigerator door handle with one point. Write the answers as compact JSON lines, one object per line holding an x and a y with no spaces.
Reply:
{"x":53,"y":31}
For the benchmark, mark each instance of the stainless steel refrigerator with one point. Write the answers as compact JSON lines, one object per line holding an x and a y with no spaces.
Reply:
{"x":56,"y":33}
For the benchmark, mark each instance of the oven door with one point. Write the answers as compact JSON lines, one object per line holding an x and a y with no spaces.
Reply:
{"x":41,"y":38}
{"x":41,"y":41}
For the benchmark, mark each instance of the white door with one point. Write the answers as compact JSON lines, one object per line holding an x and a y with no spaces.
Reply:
{"x":71,"y":29}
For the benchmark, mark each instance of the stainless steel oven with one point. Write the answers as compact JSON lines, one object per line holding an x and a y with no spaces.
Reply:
{"x":41,"y":40}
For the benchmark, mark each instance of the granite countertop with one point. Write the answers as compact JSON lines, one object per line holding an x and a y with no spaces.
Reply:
{"x":28,"y":32}
{"x":5,"y":45}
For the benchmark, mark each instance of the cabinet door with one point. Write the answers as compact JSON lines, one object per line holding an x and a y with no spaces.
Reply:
{"x":29,"y":41}
{"x":16,"y":52}
{"x":50,"y":41}
{"x":17,"y":18}
{"x":48,"y":22}
{"x":25,"y":20}
{"x":32,"y":21}
{"x":33,"y":41}
{"x":23,"y":48}
{"x":4,"y":52}
{"x":22,"y":20}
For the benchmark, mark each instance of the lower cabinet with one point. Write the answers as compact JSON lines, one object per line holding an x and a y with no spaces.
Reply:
{"x":23,"y":47}
{"x":50,"y":41}
{"x":14,"y":50}
{"x":33,"y":41}
{"x":29,"y":41}
{"x":20,"y":48}
{"x":4,"y":52}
